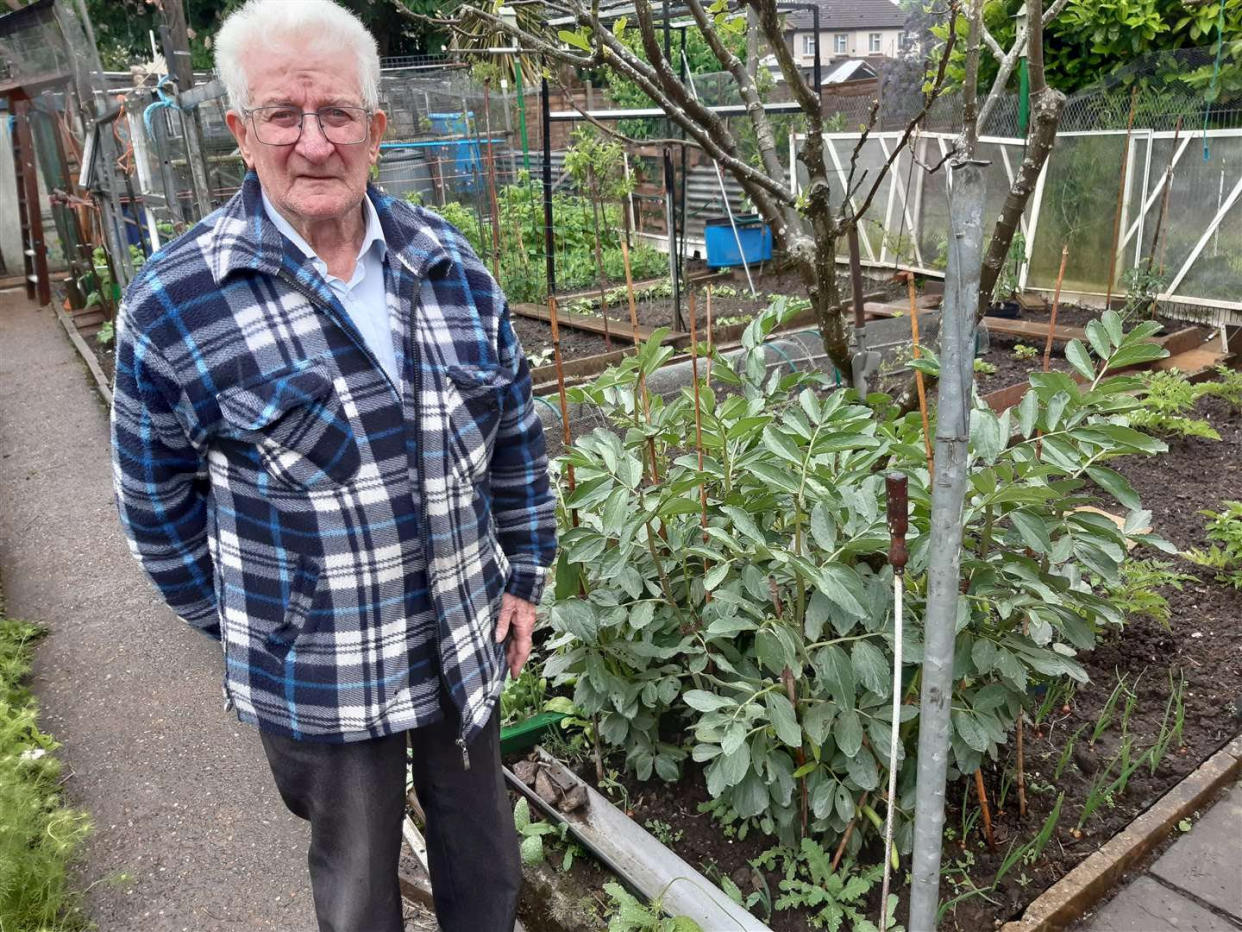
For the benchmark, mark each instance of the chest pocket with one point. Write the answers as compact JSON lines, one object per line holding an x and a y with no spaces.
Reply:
{"x":298,"y":425}
{"x":473,"y":402}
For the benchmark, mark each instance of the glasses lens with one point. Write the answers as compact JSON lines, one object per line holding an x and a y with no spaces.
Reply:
{"x":282,"y":126}
{"x":343,"y":125}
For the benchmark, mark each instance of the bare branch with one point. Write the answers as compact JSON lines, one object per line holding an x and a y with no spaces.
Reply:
{"x":1009,"y":60}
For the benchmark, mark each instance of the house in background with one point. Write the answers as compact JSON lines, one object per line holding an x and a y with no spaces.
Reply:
{"x":847,"y":29}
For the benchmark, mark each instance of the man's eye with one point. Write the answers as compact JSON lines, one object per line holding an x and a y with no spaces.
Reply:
{"x":336,"y":116}
{"x":282,"y":116}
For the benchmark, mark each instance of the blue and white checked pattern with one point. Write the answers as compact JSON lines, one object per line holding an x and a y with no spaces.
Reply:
{"x":348,"y":539}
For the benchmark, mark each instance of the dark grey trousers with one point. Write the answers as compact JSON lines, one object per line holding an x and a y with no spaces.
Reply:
{"x":353,"y":795}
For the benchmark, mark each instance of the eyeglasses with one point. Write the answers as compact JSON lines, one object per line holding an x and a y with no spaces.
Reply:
{"x":282,"y":126}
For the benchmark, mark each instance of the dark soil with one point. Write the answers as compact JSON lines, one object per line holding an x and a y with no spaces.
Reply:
{"x":1203,"y":644}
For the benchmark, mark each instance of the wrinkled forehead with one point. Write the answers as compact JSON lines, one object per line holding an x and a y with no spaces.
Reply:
{"x":301,"y":70}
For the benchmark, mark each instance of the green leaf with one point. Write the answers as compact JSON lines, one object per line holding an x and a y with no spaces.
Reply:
{"x":862,"y":770}
{"x":817,"y":721}
{"x":1117,"y":485}
{"x":969,"y":730}
{"x":641,"y":614}
{"x":784,"y":720}
{"x":840,"y":584}
{"x":1136,"y":354}
{"x":1056,"y":407}
{"x":531,"y":850}
{"x":733,"y":766}
{"x":1098,"y":338}
{"x":848,"y":732}
{"x":716,"y":575}
{"x":1078,"y":357}
{"x":776,"y":441}
{"x":823,"y":528}
{"x":577,"y":618}
{"x":770,"y":651}
{"x":1028,"y":412}
{"x":871,"y":668}
{"x":703,"y":701}
{"x":1032,"y":529}
{"x":838,"y":674}
{"x":521,"y":815}
{"x":744,"y":523}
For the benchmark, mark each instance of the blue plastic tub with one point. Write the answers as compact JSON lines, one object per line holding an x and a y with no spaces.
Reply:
{"x":755,"y":236}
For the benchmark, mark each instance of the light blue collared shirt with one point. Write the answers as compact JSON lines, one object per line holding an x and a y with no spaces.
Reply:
{"x":364,"y":296}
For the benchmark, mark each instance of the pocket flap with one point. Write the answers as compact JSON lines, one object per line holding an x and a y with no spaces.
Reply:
{"x":256,"y":406}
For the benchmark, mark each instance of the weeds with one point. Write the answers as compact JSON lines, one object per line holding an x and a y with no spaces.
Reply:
{"x":1224,"y":529}
{"x":1067,"y":751}
{"x":1136,"y":592}
{"x":1170,"y":733}
{"x":1170,"y":396}
{"x":1024,"y":352}
{"x":1110,"y":708}
{"x":630,"y":915}
{"x":38,"y":837}
{"x":834,"y":899}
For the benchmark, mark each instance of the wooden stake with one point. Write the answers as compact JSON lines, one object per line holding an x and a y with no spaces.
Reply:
{"x":698,"y":421}
{"x":566,"y":436}
{"x":983,"y":807}
{"x":1056,"y":303}
{"x":599,"y":258}
{"x":711,"y":343}
{"x":849,"y":830}
{"x":642,"y":379}
{"x":918,"y":376}
{"x":1022,"y":758}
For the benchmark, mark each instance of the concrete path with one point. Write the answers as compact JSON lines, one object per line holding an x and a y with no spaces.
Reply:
{"x":1195,"y":886}
{"x":190,"y":833}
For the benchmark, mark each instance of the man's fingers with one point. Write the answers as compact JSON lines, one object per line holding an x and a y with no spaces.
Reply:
{"x":517,"y":655}
{"x":502,"y":620}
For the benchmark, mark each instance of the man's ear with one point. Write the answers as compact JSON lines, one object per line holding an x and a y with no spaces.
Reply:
{"x":379,"y":122}
{"x":237,"y":126}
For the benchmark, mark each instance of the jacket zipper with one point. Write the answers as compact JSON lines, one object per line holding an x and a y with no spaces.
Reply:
{"x":349,"y":330}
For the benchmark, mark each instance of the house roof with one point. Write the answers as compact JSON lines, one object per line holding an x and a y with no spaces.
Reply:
{"x":842,"y":15}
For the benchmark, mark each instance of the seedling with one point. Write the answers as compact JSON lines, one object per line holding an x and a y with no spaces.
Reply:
{"x":1067,"y":751}
{"x":1110,"y":708}
{"x":984,"y":368}
{"x":1170,"y":732}
{"x":1024,"y":352}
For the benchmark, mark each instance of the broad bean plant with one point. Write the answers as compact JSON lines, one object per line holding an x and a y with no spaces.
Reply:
{"x":737,"y":608}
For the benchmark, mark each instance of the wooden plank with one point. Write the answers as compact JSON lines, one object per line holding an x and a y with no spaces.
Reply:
{"x":617,"y":330}
{"x":1033,"y":330}
{"x":1194,"y":362}
{"x":636,"y":855}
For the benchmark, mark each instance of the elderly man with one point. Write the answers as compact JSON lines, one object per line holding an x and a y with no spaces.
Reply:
{"x":326,"y":456}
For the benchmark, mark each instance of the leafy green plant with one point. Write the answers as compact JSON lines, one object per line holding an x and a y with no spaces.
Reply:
{"x":1171,"y":724}
{"x":1024,"y":352}
{"x":630,"y":915}
{"x":1170,"y":395}
{"x":1137,"y":590}
{"x":39,"y":836}
{"x":531,"y":833}
{"x":1011,"y":272}
{"x":1224,"y":529}
{"x":747,"y":602}
{"x":523,"y":697}
{"x":664,"y":833}
{"x":983,"y":367}
{"x":106,"y":334}
{"x":832,"y":897}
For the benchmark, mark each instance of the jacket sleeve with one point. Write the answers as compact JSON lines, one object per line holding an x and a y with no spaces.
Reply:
{"x":522,"y":500}
{"x":159,"y":478}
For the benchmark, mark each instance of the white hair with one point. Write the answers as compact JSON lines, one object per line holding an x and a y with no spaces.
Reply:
{"x":318,"y":27}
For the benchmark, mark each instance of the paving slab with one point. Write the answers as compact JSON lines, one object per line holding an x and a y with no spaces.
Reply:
{"x":190,"y":833}
{"x":1208,"y":861}
{"x":1147,"y":906}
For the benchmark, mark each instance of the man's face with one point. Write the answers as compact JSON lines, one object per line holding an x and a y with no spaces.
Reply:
{"x":313,"y":179}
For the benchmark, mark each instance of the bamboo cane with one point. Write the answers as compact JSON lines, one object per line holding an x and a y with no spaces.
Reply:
{"x":918,"y":376}
{"x":1056,"y":304}
{"x":491,"y":186}
{"x":566,"y":435}
{"x":698,"y":423}
{"x":985,"y":809}
{"x":711,"y":343}
{"x":599,"y":257}
{"x":849,"y":830}
{"x":642,"y":379}
{"x":1164,"y":206}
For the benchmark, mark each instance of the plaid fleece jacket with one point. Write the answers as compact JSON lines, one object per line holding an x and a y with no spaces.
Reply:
{"x":331,"y":528}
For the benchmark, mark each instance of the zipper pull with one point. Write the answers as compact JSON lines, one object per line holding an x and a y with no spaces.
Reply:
{"x":465,"y":754}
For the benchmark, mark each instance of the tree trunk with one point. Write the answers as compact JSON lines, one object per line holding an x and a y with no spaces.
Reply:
{"x":966,"y":198}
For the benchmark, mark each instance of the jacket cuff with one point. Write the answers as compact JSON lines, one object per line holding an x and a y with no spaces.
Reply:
{"x":526,"y":581}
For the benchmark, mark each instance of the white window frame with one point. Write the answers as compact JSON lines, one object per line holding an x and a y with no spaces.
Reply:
{"x":875,"y":42}
{"x":841,"y":43}
{"x":808,"y":44}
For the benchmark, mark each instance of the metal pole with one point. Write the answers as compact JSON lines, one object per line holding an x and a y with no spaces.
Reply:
{"x":967,"y":187}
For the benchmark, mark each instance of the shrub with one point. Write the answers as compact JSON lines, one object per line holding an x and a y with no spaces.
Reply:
{"x":748,"y":602}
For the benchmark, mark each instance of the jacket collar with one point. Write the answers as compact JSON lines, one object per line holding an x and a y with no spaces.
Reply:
{"x":243,"y":237}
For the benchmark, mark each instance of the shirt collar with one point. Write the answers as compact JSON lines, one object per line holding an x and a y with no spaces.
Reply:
{"x":373,"y":236}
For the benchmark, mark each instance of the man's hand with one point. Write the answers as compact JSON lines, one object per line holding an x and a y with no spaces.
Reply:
{"x":519,"y":615}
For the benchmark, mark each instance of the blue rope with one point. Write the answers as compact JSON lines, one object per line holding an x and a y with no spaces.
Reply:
{"x":555,"y":409}
{"x":1211,"y":95}
{"x":776,"y":349}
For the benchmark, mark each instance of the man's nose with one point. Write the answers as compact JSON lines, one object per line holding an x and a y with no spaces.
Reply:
{"x":313,"y":144}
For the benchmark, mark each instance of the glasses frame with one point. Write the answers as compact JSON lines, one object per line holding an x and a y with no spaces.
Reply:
{"x":302,"y":115}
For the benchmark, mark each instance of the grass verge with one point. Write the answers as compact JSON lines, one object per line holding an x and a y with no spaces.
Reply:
{"x":39,"y":836}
